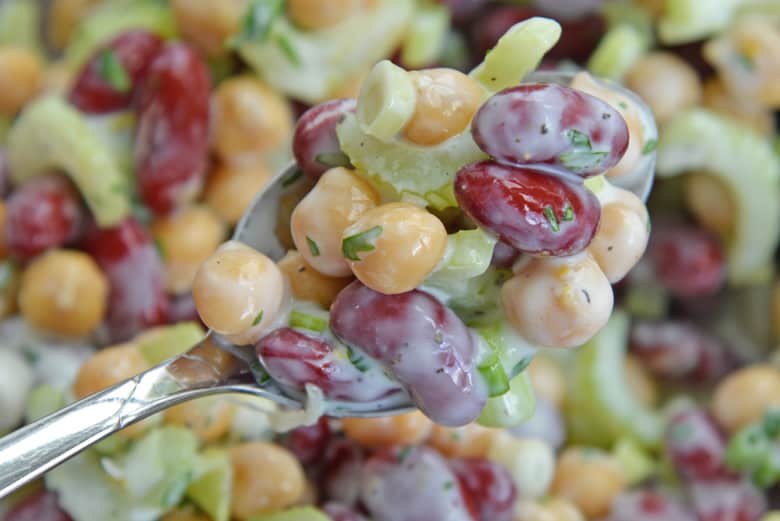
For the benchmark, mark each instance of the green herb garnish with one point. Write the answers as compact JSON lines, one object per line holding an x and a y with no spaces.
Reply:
{"x":256,"y":22}
{"x":258,"y":318}
{"x":113,"y":72}
{"x":287,"y":48}
{"x":568,"y":213}
{"x":358,"y":361}
{"x":495,"y":376}
{"x":303,"y":320}
{"x":158,"y":245}
{"x":650,"y":145}
{"x":520,"y":366}
{"x":549,"y":213}
{"x":360,"y":242}
{"x":404,"y":453}
{"x":582,"y":157}
{"x":313,"y":248}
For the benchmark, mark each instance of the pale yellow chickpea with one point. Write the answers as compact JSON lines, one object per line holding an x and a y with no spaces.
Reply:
{"x":250,"y":119}
{"x":446,"y":102}
{"x":590,"y":478}
{"x":350,"y":86}
{"x":307,"y":283}
{"x":553,"y":509}
{"x":710,"y":203}
{"x":640,"y":382}
{"x":238,"y":291}
{"x":744,"y":396}
{"x":666,"y":83}
{"x":231,"y":189}
{"x":266,"y":478}
{"x":743,"y":108}
{"x":397,"y":245}
{"x":185,"y":514}
{"x":547,"y":379}
{"x":207,"y":24}
{"x":21,"y":75}
{"x":404,"y":429}
{"x":65,"y":292}
{"x":469,"y":441}
{"x":318,"y":14}
{"x":310,"y":494}
{"x":558,"y":302}
{"x":620,"y":240}
{"x":186,"y":239}
{"x":63,"y":19}
{"x":208,"y":418}
{"x":338,"y":199}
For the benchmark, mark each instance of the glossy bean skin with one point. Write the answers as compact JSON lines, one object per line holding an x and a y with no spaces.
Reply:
{"x":412,"y":484}
{"x":293,"y":358}
{"x":533,"y":209}
{"x":731,"y":498}
{"x":489,"y":486}
{"x":134,"y":51}
{"x":696,"y":445}
{"x":171,"y":144}
{"x":340,"y":512}
{"x":340,"y":476}
{"x":135,"y":273}
{"x":550,"y":123}
{"x":315,"y":144}
{"x":40,"y":506}
{"x":423,"y":343}
{"x":650,"y":505}
{"x":309,"y":442}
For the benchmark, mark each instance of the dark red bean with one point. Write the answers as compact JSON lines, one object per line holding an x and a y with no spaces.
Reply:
{"x":340,"y":512}
{"x":308,"y":443}
{"x":688,"y":261}
{"x":96,"y":89}
{"x":532,"y":208}
{"x":550,"y":123}
{"x":315,"y":144}
{"x":678,"y":350}
{"x":43,"y":213}
{"x":421,"y":342}
{"x":490,"y":486}
{"x":181,"y":308}
{"x":648,"y":505}
{"x":734,"y":499}
{"x":171,"y":144}
{"x":341,"y":473}
{"x":492,"y":23}
{"x":695,"y":445}
{"x":129,"y":259}
{"x":462,"y":11}
{"x":504,"y":255}
{"x":294,"y":359}
{"x":412,"y":484}
{"x":40,"y":506}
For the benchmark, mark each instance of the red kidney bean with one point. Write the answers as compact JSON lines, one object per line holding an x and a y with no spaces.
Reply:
{"x":648,"y":505}
{"x":535,"y":209}
{"x":181,"y":308}
{"x":504,"y":255}
{"x":135,"y":272}
{"x":308,"y":443}
{"x":492,"y":23}
{"x":550,"y":123}
{"x":678,"y":350}
{"x":110,"y":79}
{"x":695,"y":445}
{"x":412,"y":484}
{"x":293,"y":359}
{"x":490,"y":486}
{"x":40,"y":506}
{"x":340,"y":512}
{"x":340,"y":476}
{"x":422,"y":342}
{"x":315,"y":144}
{"x":729,"y":499}
{"x":462,"y":11}
{"x":43,"y":213}
{"x":171,"y":143}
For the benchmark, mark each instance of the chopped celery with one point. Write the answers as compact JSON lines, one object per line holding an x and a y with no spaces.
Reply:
{"x":386,"y":102}
{"x":50,"y":134}
{"x":617,"y":52}
{"x":16,"y":381}
{"x":213,"y":487}
{"x":294,"y":514}
{"x":42,"y":401}
{"x":686,"y":21}
{"x":634,"y":459}
{"x":301,"y":320}
{"x":494,"y":375}
{"x":398,"y":167}
{"x":514,"y":352}
{"x":324,"y":57}
{"x":511,"y":408}
{"x":475,"y":300}
{"x":600,"y":409}
{"x":518,"y":52}
{"x":426,"y":36}
{"x":468,"y":255}
{"x":112,"y":18}
{"x":164,"y":342}
{"x":20,"y":24}
{"x":701,"y":140}
{"x":632,"y":13}
{"x":117,"y":133}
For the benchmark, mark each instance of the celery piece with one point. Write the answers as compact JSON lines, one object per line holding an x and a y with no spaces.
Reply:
{"x":632,"y":13}
{"x":518,"y":52}
{"x":301,"y":320}
{"x":704,"y":141}
{"x":617,"y":52}
{"x":386,"y":102}
{"x":494,"y":375}
{"x":635,"y":461}
{"x":51,"y":134}
{"x":213,"y":487}
{"x":686,"y":21}
{"x":294,"y":514}
{"x":426,"y":36}
{"x":20,"y":24}
{"x":512,"y":407}
{"x":164,"y":342}
{"x":42,"y":401}
{"x":468,"y":255}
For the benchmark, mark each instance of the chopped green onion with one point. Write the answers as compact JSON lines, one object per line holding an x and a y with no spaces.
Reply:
{"x":313,"y":248}
{"x":360,"y":242}
{"x":303,"y":320}
{"x":404,"y":453}
{"x":258,"y":318}
{"x":358,"y":361}
{"x":549,"y":213}
{"x":257,"y":21}
{"x":287,"y":48}
{"x":495,"y":377}
{"x":582,"y":157}
{"x":521,"y":366}
{"x":113,"y":72}
{"x":568,"y":213}
{"x":651,"y":145}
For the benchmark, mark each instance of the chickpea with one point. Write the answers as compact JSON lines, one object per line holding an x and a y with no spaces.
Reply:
{"x":666,"y":83}
{"x":238,"y":291}
{"x":621,"y":239}
{"x":744,"y":396}
{"x":640,"y":382}
{"x":530,"y":461}
{"x":250,"y":119}
{"x":548,"y":379}
{"x":469,"y":441}
{"x":317,"y":14}
{"x":207,"y":24}
{"x":555,"y":509}
{"x":309,"y":284}
{"x":558,"y":302}
{"x":710,"y":202}
{"x":446,"y":102}
{"x":186,"y":239}
{"x":742,"y":108}
{"x":266,"y":478}
{"x":338,"y":199}
{"x":64,"y":292}
{"x":231,"y":189}
{"x":403,"y":244}
{"x":590,"y":478}
{"x":63,"y":19}
{"x":209,"y":418}
{"x":185,"y":514}
{"x":310,"y":494}
{"x":21,"y":75}
{"x":404,"y":429}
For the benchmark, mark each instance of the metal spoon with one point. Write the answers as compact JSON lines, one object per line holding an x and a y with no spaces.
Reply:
{"x":213,"y":366}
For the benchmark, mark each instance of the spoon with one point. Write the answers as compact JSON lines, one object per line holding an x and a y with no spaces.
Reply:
{"x":213,"y":366}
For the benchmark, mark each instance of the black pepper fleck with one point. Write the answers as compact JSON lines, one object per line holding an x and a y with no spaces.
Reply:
{"x":587,"y":295}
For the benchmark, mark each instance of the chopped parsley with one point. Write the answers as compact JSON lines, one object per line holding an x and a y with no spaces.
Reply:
{"x":362,"y":241}
{"x":313,"y":248}
{"x":257,"y":21}
{"x":404,"y":453}
{"x":289,"y":51}
{"x":258,"y":318}
{"x":549,"y":213}
{"x":301,"y":320}
{"x":581,"y":156}
{"x":113,"y":72}
{"x":358,"y":361}
{"x":521,"y":366}
{"x":448,"y":485}
{"x":651,"y":145}
{"x":568,"y":213}
{"x":158,"y":245}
